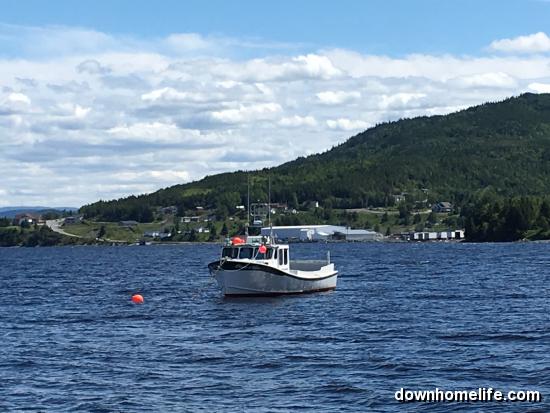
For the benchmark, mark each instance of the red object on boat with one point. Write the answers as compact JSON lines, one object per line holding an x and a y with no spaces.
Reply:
{"x":262,"y":249}
{"x":237,"y":240}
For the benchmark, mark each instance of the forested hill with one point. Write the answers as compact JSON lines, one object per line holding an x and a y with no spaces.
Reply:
{"x":503,"y":145}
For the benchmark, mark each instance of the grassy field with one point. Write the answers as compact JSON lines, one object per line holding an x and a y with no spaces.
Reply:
{"x":113,"y":231}
{"x":384,"y":221}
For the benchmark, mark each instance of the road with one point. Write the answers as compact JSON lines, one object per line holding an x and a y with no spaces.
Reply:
{"x":55,"y":225}
{"x":382,"y":211}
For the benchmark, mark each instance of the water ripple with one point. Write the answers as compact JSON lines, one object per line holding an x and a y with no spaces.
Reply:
{"x":453,"y":316}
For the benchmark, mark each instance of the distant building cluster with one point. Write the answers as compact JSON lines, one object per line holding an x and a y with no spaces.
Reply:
{"x":306,"y":233}
{"x":157,"y":234}
{"x":457,"y":234}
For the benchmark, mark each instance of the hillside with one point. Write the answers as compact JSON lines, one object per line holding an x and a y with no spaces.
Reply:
{"x":503,"y":145}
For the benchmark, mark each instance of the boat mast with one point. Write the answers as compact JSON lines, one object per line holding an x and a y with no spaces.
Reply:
{"x":269,"y":206}
{"x":247,"y":203}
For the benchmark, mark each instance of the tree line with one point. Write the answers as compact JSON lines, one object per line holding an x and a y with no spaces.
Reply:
{"x":490,"y":218}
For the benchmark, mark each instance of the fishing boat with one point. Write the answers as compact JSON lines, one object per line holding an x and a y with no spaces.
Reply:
{"x":256,"y":265}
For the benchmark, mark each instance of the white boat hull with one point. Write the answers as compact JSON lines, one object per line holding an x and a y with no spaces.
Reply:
{"x":258,"y":281}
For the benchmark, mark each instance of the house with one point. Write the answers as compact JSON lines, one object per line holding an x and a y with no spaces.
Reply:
{"x":25,"y":219}
{"x":423,"y":236}
{"x":190,"y":219}
{"x":399,"y":197}
{"x":72,"y":220}
{"x":442,"y":207}
{"x":170,"y":210}
{"x":156,"y":234}
{"x":279,"y":207}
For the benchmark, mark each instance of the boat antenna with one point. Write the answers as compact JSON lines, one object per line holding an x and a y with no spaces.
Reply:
{"x":247,"y":203}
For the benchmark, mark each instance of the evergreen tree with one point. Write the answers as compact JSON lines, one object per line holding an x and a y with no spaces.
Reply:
{"x":224,"y":231}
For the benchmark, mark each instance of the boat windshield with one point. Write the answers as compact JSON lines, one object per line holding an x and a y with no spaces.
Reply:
{"x":248,"y":253}
{"x":229,"y":252}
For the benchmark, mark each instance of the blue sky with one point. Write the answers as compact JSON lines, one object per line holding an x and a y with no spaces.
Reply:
{"x":393,"y":27}
{"x":100,"y":100}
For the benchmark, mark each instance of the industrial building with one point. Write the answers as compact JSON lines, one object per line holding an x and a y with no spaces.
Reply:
{"x":321,"y":233}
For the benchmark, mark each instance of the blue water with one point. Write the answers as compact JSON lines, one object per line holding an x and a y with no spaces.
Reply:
{"x":418,"y":316}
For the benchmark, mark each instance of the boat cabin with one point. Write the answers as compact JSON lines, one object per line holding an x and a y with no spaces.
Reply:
{"x":274,"y":255}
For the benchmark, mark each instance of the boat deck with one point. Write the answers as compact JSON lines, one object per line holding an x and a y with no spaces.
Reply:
{"x":307,"y":265}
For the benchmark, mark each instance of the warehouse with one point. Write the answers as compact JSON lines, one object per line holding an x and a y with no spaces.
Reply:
{"x":321,"y":233}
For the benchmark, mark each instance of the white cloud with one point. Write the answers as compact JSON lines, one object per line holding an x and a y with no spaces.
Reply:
{"x":18,"y":98}
{"x":93,"y":67}
{"x":187,"y":42}
{"x":491,"y":80}
{"x":533,"y":43}
{"x":436,"y":68}
{"x":170,"y":96}
{"x":338,"y":97}
{"x":317,"y":66}
{"x":400,"y":100}
{"x":539,"y":87}
{"x":345,"y":124}
{"x":297,"y":121}
{"x":311,"y":66}
{"x":247,"y":113}
{"x":167,"y":93}
{"x":81,"y":112}
{"x":14,"y":103}
{"x":90,"y":115}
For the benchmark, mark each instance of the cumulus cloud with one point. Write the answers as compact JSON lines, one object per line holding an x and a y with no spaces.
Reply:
{"x":489,"y":80}
{"x":533,"y":43}
{"x":539,"y":87}
{"x":171,"y":95}
{"x":18,"y":98}
{"x":13,"y":103}
{"x":92,"y":67}
{"x":248,"y":113}
{"x":90,"y":115}
{"x":337,"y":97}
{"x":297,"y":121}
{"x":345,"y":124}
{"x":401,"y":100}
{"x":310,"y":66}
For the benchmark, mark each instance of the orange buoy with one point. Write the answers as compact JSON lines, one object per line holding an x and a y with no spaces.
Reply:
{"x":262,"y":249}
{"x":137,"y":299}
